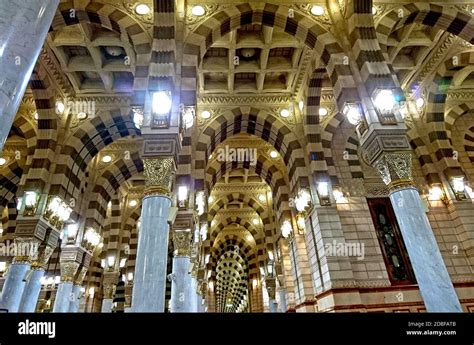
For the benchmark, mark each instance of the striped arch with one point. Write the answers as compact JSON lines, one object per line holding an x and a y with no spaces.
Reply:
{"x":38,"y":164}
{"x":264,"y":168}
{"x":437,"y":124}
{"x":9,"y":180}
{"x":454,"y":113}
{"x":112,"y":18}
{"x":112,"y":226}
{"x":251,"y":202}
{"x":8,"y":218}
{"x":301,"y":27}
{"x":469,"y":143}
{"x":374,"y":70}
{"x":260,"y":124}
{"x":107,"y":185}
{"x":227,"y":242}
{"x":28,"y":131}
{"x":454,"y":21}
{"x":231,"y":279}
{"x":352,"y":148}
{"x":85,"y":144}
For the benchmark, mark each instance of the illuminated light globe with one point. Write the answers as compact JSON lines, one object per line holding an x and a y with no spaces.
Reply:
{"x":385,"y":100}
{"x":161,"y":102}
{"x":286,"y":229}
{"x":302,"y":200}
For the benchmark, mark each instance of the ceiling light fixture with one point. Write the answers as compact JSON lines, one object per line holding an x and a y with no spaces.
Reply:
{"x":161,"y":102}
{"x":261,"y":197}
{"x":323,"y":111}
{"x":352,"y":113}
{"x":142,"y":9}
{"x":273,"y":154}
{"x":284,"y":113}
{"x":206,"y":114}
{"x":60,"y":107}
{"x":317,"y":10}
{"x":255,"y":221}
{"x":420,"y":102}
{"x":106,"y":159}
{"x":133,"y":203}
{"x":198,"y":11}
{"x":3,"y":161}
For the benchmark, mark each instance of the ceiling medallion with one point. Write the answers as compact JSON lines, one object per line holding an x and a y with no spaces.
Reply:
{"x":130,"y":6}
{"x":208,"y":11}
{"x":323,"y":19}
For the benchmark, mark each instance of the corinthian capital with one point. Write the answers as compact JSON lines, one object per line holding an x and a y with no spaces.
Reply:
{"x":182,"y":242}
{"x":395,"y":169}
{"x":43,"y":257}
{"x":68,"y":271}
{"x":159,"y":174}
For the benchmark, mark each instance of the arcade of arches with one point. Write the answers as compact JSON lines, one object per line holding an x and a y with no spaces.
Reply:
{"x":233,"y":156}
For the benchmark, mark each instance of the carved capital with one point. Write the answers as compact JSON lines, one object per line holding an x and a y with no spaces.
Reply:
{"x":182,"y":242}
{"x":159,"y":174}
{"x":109,"y":289}
{"x":68,"y":271}
{"x":26,"y":249}
{"x":80,"y":276}
{"x":43,"y":258}
{"x":271,"y":287}
{"x":395,"y":169}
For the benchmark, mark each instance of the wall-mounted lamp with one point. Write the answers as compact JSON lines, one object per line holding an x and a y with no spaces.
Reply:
{"x":111,"y":262}
{"x":300,"y":223}
{"x":57,"y":212}
{"x":122,"y":263}
{"x":323,"y":193}
{"x":182,"y":196}
{"x":30,"y":200}
{"x":187,"y":117}
{"x":338,"y":194}
{"x":3,"y":268}
{"x":200,"y":202}
{"x":91,"y":239}
{"x":436,"y":193}
{"x":254,"y":283}
{"x":459,"y":187}
{"x":286,"y":228}
{"x":353,"y":113}
{"x":302,"y":200}
{"x":161,"y":102}
{"x":71,"y":232}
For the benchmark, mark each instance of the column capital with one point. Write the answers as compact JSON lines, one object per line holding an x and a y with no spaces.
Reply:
{"x":81,"y":274}
{"x":271,"y":287}
{"x":109,"y":284}
{"x":182,"y":242}
{"x":43,"y":257}
{"x":395,"y":169}
{"x":68,"y":271}
{"x":159,"y":174}
{"x":26,"y":249}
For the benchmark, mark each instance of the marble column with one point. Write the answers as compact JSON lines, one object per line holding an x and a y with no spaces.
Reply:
{"x":76,"y":299}
{"x":23,"y":29}
{"x":194,"y":294}
{"x":32,"y":290}
{"x":282,"y":304}
{"x":430,"y":270}
{"x":273,"y":306}
{"x":33,"y":284}
{"x":152,"y":252}
{"x":107,"y":305}
{"x":14,"y":285}
{"x":64,"y":294}
{"x":76,"y":294}
{"x":182,"y":293}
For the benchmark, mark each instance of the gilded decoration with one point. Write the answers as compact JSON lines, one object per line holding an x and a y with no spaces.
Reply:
{"x":159,"y":173}
{"x":43,"y":258}
{"x":68,"y":271}
{"x":182,"y":243}
{"x":395,"y":169}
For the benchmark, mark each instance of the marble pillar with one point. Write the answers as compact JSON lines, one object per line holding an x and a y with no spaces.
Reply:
{"x":64,"y":294}
{"x":273,"y":306}
{"x":107,"y":305}
{"x":63,"y":297}
{"x":149,"y":283}
{"x":183,"y":298}
{"x":23,"y":29}
{"x":282,"y":304}
{"x":32,"y":290}
{"x":75,"y":299}
{"x":430,"y":270}
{"x":14,"y":286}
